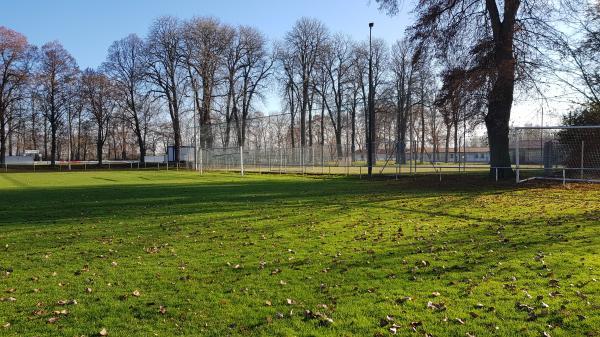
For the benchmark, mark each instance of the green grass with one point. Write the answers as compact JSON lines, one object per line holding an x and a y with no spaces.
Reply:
{"x":213,"y":250}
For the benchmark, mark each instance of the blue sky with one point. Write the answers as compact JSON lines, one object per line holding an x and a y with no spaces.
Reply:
{"x":87,"y":28}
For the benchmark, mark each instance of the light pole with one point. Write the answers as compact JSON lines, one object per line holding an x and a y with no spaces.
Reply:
{"x":371,"y":108}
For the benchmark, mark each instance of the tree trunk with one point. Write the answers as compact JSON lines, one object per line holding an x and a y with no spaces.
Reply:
{"x":448,"y":130}
{"x":500,"y":98}
{"x":353,"y":132}
{"x":10,"y":137}
{"x":53,"y":130}
{"x":45,"y":139}
{"x":338,"y":142}
{"x":2,"y":139}
{"x":497,"y":123}
{"x":177,"y":138}
{"x":303,"y":114}
{"x":99,"y":146}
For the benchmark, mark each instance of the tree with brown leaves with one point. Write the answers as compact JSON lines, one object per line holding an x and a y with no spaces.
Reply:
{"x":15,"y":63}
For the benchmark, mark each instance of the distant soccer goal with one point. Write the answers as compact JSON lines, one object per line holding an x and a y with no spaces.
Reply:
{"x":566,"y":153}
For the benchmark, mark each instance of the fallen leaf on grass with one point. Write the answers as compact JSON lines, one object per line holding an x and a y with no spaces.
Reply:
{"x":436,"y":306}
{"x":404,"y":299}
{"x":103,"y":332}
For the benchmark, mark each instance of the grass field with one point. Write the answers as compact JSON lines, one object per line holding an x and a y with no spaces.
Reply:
{"x":174,"y":253}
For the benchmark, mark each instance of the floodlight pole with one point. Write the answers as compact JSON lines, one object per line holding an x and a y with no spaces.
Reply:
{"x":371,"y":112}
{"x":70,"y":140}
{"x":195,"y":139}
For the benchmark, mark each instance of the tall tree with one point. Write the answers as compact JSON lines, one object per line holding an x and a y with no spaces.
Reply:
{"x":15,"y":64}
{"x":305,"y":42}
{"x":57,"y":72}
{"x":165,"y":66}
{"x":255,"y":68}
{"x":501,"y":36}
{"x":207,"y":41}
{"x":336,"y":65}
{"x":125,"y":66}
{"x":404,"y":64}
{"x":99,"y":96}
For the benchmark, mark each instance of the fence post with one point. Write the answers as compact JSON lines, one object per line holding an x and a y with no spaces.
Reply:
{"x":496,"y":174}
{"x":201,"y":168}
{"x":564,"y":178}
{"x":582,"y":147}
{"x":242,"y":160}
{"x":517,"y":159}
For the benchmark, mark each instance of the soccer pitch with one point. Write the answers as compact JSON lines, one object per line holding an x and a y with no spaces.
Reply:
{"x":144,"y":253}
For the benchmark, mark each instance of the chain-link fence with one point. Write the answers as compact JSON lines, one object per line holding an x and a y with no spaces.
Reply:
{"x":567,"y":153}
{"x":273,"y":144}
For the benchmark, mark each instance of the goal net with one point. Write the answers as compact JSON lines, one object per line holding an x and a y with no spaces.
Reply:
{"x":567,"y":153}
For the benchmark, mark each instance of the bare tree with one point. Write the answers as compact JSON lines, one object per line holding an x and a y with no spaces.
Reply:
{"x":16,"y":57}
{"x":503,"y":44}
{"x":99,"y":95}
{"x":206,"y":42}
{"x":126,"y":68}
{"x":255,"y":68}
{"x":165,"y":70}
{"x":232,"y":62}
{"x":404,"y":61}
{"x":287,"y":72}
{"x":304,"y":43}
{"x":57,"y":71}
{"x":336,"y":65}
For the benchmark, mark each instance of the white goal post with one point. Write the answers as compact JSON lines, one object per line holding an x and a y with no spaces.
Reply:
{"x":566,"y":153}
